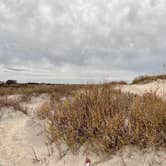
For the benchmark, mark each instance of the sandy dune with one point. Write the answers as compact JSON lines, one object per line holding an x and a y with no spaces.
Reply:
{"x":159,"y":87}
{"x":23,"y":140}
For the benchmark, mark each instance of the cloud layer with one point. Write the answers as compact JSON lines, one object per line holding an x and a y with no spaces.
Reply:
{"x":81,"y":40}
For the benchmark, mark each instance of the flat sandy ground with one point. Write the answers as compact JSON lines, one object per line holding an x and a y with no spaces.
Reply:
{"x":23,"y":140}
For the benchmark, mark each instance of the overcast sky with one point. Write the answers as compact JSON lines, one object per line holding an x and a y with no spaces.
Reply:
{"x":78,"y":41}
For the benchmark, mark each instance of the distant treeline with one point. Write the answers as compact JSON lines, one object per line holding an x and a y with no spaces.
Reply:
{"x":15,"y":83}
{"x":138,"y":80}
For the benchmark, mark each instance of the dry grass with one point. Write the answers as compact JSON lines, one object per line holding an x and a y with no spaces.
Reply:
{"x":7,"y":102}
{"x":23,"y":89}
{"x":147,"y":79}
{"x":107,"y":119}
{"x":99,"y":116}
{"x":44,"y":110}
{"x":36,"y":89}
{"x":26,"y":91}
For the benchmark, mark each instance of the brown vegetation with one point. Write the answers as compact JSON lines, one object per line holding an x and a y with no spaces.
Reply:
{"x":147,"y":79}
{"x":99,"y":116}
{"x":36,"y":89}
{"x":44,"y":111}
{"x":7,"y":102}
{"x":107,"y":119}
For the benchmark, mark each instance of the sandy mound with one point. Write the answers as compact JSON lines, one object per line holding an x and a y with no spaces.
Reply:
{"x":159,"y":87}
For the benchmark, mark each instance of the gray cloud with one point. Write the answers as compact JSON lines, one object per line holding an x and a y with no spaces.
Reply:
{"x":81,"y":40}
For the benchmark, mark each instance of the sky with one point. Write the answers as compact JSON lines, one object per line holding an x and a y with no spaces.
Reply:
{"x":81,"y":41}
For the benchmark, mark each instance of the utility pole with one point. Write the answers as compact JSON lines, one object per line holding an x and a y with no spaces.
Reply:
{"x":164,"y":66}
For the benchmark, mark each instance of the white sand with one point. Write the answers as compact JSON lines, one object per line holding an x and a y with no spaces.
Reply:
{"x":159,"y":87}
{"x":23,"y":140}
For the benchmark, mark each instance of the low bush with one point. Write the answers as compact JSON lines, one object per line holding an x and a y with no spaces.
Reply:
{"x":106,"y":120}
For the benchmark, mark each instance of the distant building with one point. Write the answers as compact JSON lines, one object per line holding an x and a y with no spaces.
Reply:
{"x":11,"y":82}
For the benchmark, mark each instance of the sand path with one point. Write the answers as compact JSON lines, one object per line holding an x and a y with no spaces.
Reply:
{"x":21,"y":135}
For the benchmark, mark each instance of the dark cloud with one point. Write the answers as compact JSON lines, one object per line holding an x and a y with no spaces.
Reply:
{"x":81,"y":39}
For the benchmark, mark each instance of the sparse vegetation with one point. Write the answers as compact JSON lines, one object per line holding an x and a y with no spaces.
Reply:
{"x":59,"y":90}
{"x":99,"y":116}
{"x":44,"y":110}
{"x":147,"y":79}
{"x":36,"y":89}
{"x":7,"y":102}
{"x":107,"y":119}
{"x":116,"y":83}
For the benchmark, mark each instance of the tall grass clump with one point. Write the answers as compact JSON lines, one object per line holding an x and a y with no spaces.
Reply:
{"x":106,"y":120}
